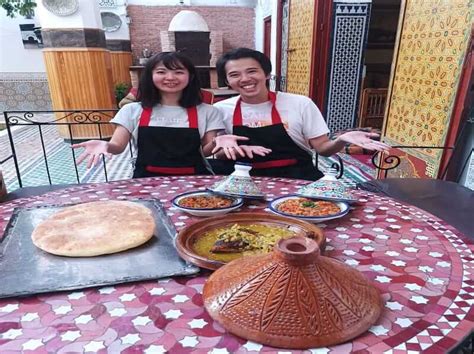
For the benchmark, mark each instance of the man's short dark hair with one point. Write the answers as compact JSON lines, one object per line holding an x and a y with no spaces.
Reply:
{"x":242,"y":53}
{"x":149,"y":95}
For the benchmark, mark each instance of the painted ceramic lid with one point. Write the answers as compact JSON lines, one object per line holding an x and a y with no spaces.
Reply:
{"x":238,"y":184}
{"x":292,"y":298}
{"x":328,"y":190}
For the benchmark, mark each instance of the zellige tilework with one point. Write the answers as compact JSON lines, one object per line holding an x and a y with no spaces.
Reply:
{"x":432,"y":47}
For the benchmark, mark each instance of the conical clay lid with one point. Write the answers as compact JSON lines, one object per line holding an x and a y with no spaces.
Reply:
{"x":292,"y":298}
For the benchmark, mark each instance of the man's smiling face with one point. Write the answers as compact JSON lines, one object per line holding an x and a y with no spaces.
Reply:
{"x":247,"y":77}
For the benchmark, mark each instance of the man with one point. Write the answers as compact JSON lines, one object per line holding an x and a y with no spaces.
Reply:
{"x":290,"y":125}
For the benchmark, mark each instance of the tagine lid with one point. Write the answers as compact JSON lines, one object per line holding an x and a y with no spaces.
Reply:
{"x":328,"y":190}
{"x":238,"y":184}
{"x":292,"y":298}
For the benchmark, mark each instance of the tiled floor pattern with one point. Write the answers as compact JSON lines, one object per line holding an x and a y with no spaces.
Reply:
{"x":60,"y":162}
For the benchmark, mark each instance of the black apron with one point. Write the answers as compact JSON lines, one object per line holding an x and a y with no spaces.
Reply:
{"x":287,"y":159}
{"x":166,"y":151}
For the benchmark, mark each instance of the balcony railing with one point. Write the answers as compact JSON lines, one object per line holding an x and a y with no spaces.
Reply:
{"x":44,"y":126}
{"x":42,"y":122}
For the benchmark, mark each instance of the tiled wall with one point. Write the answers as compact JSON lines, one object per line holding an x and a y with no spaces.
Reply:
{"x":432,"y":46}
{"x":24,"y":91}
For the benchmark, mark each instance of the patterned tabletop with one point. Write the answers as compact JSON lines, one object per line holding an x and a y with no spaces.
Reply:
{"x":423,"y":267}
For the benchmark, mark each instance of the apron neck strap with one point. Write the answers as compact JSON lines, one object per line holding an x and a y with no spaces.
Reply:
{"x":276,"y":119}
{"x":145,"y":117}
{"x":191,"y":111}
{"x":192,"y":117}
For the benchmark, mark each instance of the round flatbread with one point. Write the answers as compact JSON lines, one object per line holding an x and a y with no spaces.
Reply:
{"x":95,"y":228}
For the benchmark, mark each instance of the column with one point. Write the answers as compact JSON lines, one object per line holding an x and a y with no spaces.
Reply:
{"x":117,"y":38}
{"x":78,"y":64}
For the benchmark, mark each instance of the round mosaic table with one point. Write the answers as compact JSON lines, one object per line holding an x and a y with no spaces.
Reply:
{"x":423,"y":267}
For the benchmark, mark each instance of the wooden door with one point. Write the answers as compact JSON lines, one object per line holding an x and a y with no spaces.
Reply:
{"x":267,"y":36}
{"x":300,"y":40}
{"x":282,"y":46}
{"x":305,"y":61}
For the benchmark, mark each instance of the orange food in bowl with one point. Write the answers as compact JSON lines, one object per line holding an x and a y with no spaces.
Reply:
{"x":205,"y":202}
{"x":308,"y":207}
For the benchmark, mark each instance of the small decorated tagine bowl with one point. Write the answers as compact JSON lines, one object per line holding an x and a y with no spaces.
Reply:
{"x":327,"y":190}
{"x":202,"y":203}
{"x":238,"y":184}
{"x":305,"y":209}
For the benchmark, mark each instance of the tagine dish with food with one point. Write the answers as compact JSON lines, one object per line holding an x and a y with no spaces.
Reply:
{"x":215,"y":241}
{"x":237,"y":240}
{"x":204,"y":203}
{"x":312,"y":210}
{"x":308,"y":207}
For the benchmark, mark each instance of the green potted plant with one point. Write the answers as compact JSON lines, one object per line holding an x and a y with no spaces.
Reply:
{"x":121,"y":90}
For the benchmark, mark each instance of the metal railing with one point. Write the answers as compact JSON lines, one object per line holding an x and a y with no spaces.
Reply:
{"x":69,"y":120}
{"x":390,"y":162}
{"x":99,"y":118}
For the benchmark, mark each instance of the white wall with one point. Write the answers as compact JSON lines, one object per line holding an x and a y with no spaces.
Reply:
{"x":264,"y":9}
{"x":14,"y":57}
{"x":121,"y":10}
{"x":86,"y":16}
{"x":244,"y":3}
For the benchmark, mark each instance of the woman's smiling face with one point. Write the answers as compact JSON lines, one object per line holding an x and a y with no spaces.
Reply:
{"x":170,"y":80}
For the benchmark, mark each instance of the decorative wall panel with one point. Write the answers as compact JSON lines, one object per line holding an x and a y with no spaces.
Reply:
{"x":432,"y":45}
{"x":24,"y":91}
{"x":300,"y":40}
{"x":349,"y":36}
{"x":285,"y":17}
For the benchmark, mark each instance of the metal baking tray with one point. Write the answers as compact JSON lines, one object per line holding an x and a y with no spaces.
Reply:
{"x":26,"y":270}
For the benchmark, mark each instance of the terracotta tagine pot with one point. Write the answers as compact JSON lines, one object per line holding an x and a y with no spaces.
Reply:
{"x":292,"y":298}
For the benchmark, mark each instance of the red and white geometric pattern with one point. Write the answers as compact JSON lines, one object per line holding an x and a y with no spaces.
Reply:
{"x":423,"y":267}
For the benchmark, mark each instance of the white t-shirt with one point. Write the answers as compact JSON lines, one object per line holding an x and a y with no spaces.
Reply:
{"x":209,"y":118}
{"x":300,"y":116}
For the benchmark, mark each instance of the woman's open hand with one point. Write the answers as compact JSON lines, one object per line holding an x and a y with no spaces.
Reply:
{"x":363,"y":139}
{"x":93,"y":149}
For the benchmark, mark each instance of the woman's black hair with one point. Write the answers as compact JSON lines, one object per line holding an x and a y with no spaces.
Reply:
{"x":241,"y":53}
{"x":149,"y":95}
